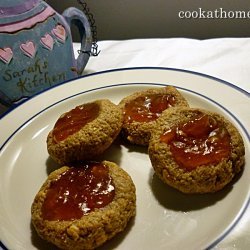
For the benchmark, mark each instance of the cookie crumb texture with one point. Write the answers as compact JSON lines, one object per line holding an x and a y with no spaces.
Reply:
{"x":92,"y":139}
{"x":141,"y":110}
{"x":93,"y":229}
{"x":205,"y":178}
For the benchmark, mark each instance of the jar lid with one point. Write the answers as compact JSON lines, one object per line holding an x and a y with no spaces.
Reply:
{"x":16,"y":7}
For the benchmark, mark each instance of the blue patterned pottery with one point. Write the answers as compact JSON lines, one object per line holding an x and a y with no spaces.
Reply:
{"x":36,"y":50}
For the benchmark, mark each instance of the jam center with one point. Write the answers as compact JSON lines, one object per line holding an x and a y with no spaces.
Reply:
{"x":147,"y":108}
{"x":72,"y":121}
{"x":200,"y":141}
{"x":78,"y":191}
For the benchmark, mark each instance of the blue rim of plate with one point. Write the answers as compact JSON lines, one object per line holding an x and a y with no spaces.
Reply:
{"x":132,"y":68}
{"x":241,"y":213}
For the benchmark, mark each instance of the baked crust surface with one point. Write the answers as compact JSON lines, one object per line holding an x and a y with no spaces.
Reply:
{"x":90,"y":141}
{"x":95,"y":228}
{"x":139,"y":132}
{"x":204,"y":178}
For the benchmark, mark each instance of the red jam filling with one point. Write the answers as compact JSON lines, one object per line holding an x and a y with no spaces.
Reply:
{"x":78,"y":191}
{"x":74,"y":120}
{"x":200,"y":141}
{"x":147,"y":108}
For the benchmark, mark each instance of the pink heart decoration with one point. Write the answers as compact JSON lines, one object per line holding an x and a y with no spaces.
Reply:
{"x":28,"y":49}
{"x":47,"y":41}
{"x":6,"y":54}
{"x":60,"y":33}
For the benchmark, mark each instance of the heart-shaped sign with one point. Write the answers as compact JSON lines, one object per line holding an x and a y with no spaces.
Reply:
{"x":28,"y":49}
{"x":47,"y":41}
{"x":6,"y":54}
{"x":60,"y":33}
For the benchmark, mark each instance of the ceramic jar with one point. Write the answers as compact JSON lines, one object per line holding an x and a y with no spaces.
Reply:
{"x":36,"y":50}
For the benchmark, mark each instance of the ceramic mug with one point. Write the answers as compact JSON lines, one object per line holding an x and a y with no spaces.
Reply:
{"x":36,"y":49}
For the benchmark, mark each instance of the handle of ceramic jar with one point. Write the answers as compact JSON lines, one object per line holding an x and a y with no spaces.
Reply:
{"x":75,"y":16}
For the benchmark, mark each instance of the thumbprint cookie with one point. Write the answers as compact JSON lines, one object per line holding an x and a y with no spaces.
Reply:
{"x":142,"y":109}
{"x":196,"y":151}
{"x":83,"y":206}
{"x":84,"y":132}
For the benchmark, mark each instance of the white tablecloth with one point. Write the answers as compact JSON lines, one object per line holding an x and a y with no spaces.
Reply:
{"x":227,"y":58}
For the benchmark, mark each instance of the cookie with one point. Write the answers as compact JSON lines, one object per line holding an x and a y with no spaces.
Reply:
{"x":83,"y":206}
{"x":196,"y":151}
{"x":143,"y":108}
{"x":84,"y":132}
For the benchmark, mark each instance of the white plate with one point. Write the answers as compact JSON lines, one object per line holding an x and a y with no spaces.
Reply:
{"x":166,"y":219}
